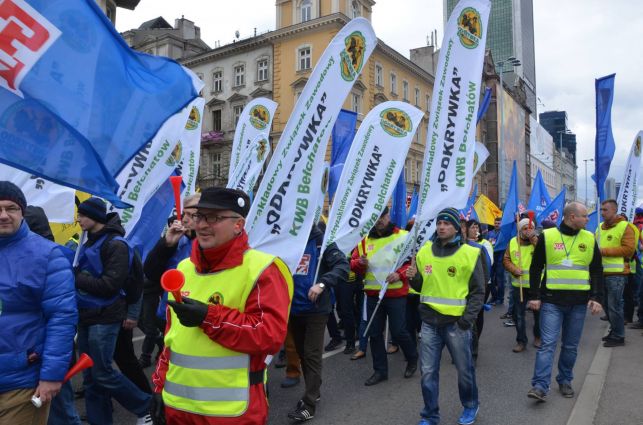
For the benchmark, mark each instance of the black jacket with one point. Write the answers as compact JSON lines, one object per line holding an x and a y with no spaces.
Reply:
{"x":538,"y":289}
{"x":475,"y":298}
{"x":115,"y":259}
{"x":38,"y":222}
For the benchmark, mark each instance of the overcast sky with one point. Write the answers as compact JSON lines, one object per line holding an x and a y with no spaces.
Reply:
{"x":576,"y":42}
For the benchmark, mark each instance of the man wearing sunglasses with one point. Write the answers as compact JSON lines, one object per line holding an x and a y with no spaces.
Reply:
{"x":234,"y":314}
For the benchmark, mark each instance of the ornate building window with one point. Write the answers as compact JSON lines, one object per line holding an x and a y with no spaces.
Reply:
{"x":236,"y":113}
{"x":356,"y":9}
{"x":379,"y":75}
{"x":304,"y":58}
{"x":306,"y":10}
{"x":239,"y":75}
{"x":262,"y":69}
{"x":405,"y":90}
{"x":393,"y":83}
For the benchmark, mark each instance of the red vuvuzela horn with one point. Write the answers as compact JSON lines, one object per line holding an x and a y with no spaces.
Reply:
{"x":172,"y":281}
{"x":176,"y":186}
{"x":531,"y":218}
{"x":84,"y":362}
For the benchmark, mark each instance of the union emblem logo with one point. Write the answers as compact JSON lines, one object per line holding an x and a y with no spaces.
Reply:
{"x":175,"y":156}
{"x":259,"y":117}
{"x":637,"y":147}
{"x":216,"y":298}
{"x":469,"y":28}
{"x":262,"y":148}
{"x":428,"y":269}
{"x":451,"y":271}
{"x":194,"y":119}
{"x":352,"y":57}
{"x":395,"y":122}
{"x":559,"y":246}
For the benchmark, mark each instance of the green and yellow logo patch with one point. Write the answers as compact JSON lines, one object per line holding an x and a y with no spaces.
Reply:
{"x":469,"y":28}
{"x":352,"y":57}
{"x":262,"y":149}
{"x":396,"y":122}
{"x":175,"y":156}
{"x":194,"y":119}
{"x":259,"y":117}
{"x":451,"y":271}
{"x":216,"y":299}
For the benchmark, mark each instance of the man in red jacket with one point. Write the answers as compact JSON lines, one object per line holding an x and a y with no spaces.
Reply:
{"x":370,"y":260}
{"x":234,"y":314}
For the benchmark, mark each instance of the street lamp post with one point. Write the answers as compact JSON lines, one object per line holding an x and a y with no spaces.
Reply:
{"x":585,"y":160}
{"x":511,"y":62}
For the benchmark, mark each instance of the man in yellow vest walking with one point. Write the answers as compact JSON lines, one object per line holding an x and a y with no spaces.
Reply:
{"x":234,"y":314}
{"x":449,"y":274}
{"x":617,"y":242}
{"x":572,"y":283}
{"x":517,"y":260}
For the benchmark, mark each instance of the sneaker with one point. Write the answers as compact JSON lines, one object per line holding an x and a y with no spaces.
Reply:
{"x":333,"y":345}
{"x":289,"y":382}
{"x":349,"y":349}
{"x":359,"y":355}
{"x":636,"y":325}
{"x":519,"y":348}
{"x":614,"y":342}
{"x":566,"y":390}
{"x":509,"y":323}
{"x":506,"y":316}
{"x":468,"y":415}
{"x":145,"y":420}
{"x":537,"y":394}
{"x":301,"y":414}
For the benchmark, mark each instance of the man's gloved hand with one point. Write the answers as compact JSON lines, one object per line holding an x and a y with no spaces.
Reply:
{"x":157,"y":409}
{"x":190,"y":312}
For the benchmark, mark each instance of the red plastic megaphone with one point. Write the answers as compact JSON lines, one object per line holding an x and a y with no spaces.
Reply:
{"x":84,"y":362}
{"x":172,"y":281}
{"x":176,"y":186}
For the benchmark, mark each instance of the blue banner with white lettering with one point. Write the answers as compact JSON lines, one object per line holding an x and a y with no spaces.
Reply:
{"x":511,"y":209}
{"x":413,"y":207}
{"x":539,"y":198}
{"x":76,"y":103}
{"x":605,"y":147}
{"x":554,"y":211}
{"x":343,"y":134}
{"x":398,"y":202}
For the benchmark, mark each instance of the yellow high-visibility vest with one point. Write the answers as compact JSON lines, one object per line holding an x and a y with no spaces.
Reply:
{"x":372,"y":246}
{"x":521,"y":257}
{"x":637,"y":235}
{"x":568,"y":259}
{"x":204,"y":377}
{"x":445,"y":280}
{"x":611,"y":238}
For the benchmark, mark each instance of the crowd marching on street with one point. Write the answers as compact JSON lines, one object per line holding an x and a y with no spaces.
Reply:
{"x":215,"y":344}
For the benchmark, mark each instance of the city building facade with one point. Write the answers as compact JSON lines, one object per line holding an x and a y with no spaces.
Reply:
{"x":109,"y":7}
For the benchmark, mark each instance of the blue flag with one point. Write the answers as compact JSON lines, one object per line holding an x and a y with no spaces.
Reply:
{"x":592,"y":224}
{"x":604,"y":138}
{"x":398,"y":204}
{"x":539,"y":199}
{"x":343,"y":134}
{"x":484,"y":105}
{"x":554,"y":210}
{"x":413,"y":208}
{"x":469,"y":212}
{"x":76,"y":103}
{"x":508,"y":223}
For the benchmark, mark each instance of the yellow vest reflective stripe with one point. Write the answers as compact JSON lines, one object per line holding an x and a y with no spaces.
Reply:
{"x":637,"y":235}
{"x":204,"y":377}
{"x":445,"y":280}
{"x":372,"y":246}
{"x":580,"y":248}
{"x":526,"y":255}
{"x":611,"y":238}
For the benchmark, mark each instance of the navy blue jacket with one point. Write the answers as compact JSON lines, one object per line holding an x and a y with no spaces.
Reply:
{"x":38,"y":313}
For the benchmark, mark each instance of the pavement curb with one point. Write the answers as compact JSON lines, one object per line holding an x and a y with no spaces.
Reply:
{"x":586,"y":404}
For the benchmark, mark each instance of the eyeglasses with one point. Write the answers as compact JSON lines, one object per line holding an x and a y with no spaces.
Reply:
{"x":10,"y":210}
{"x":212,"y":218}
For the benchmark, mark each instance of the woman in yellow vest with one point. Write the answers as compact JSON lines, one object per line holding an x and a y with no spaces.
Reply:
{"x":517,"y":260}
{"x":450,"y":277}
{"x":233,"y":315}
{"x":617,"y":242}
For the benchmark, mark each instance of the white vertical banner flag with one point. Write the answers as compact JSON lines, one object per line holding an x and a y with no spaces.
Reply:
{"x":255,"y":120}
{"x":154,"y":164}
{"x":479,"y":157}
{"x":448,"y":160}
{"x":450,"y":146}
{"x":249,"y":167}
{"x":191,"y":148}
{"x":322,"y":193}
{"x":371,"y":170}
{"x":282,"y":213}
{"x":627,"y":196}
{"x":57,"y":201}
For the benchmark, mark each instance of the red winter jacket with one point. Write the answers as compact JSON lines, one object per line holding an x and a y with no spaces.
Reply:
{"x":259,"y":331}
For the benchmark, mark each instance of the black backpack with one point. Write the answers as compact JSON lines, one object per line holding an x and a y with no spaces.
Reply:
{"x":133,"y":286}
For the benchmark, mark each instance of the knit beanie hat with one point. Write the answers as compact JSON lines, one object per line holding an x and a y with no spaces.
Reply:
{"x":522,"y":223}
{"x":95,"y":209}
{"x":451,"y":215}
{"x":11,"y":192}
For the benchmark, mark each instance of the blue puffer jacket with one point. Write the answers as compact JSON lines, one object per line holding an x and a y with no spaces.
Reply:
{"x":38,"y":313}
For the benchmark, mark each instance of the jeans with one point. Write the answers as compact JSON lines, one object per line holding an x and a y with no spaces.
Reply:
{"x":614,"y":286}
{"x":458,"y":342}
{"x":349,"y":302}
{"x":395,"y":309}
{"x":63,"y":409}
{"x":102,"y":382}
{"x":519,"y":313}
{"x":628,"y":298}
{"x":308,"y":334}
{"x":553,"y":317}
{"x":498,"y":277}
